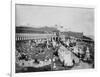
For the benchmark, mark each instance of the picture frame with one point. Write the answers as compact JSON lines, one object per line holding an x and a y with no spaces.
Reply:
{"x":13,"y":4}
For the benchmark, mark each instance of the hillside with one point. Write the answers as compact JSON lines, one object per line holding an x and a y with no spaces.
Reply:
{"x":35,"y":30}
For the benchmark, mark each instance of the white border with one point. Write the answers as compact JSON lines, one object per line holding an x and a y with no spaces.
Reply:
{"x":55,"y":4}
{"x":13,"y":39}
{"x":13,"y":74}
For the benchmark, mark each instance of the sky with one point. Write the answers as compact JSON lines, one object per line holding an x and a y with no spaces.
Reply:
{"x":71,"y":18}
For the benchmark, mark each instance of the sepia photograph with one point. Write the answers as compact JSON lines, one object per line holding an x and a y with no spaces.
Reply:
{"x":53,"y":38}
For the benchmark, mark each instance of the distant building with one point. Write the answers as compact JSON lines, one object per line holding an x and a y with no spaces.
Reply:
{"x":73,"y":34}
{"x":30,"y":36}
